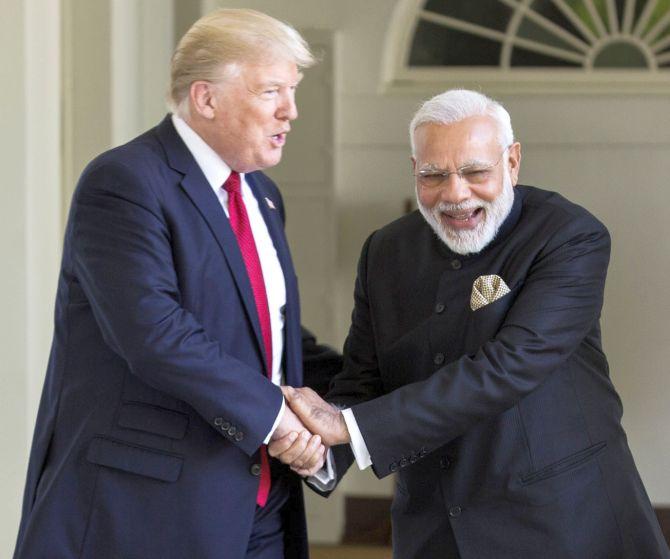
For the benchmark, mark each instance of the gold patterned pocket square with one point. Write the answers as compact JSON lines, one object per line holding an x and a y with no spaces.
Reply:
{"x":487,"y":289}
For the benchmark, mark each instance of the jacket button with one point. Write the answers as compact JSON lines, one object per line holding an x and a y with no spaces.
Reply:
{"x":393,"y":467}
{"x":232,"y":430}
{"x":413,"y":458}
{"x":404,"y":462}
{"x":445,"y":462}
{"x":239,"y":436}
{"x":255,"y":469}
{"x":218,"y":421}
{"x":456,"y":264}
{"x":224,"y":426}
{"x":455,"y":511}
{"x":423,"y":451}
{"x":439,"y":308}
{"x":438,"y":359}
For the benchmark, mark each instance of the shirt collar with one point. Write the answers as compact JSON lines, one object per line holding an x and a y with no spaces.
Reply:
{"x":214,"y":168}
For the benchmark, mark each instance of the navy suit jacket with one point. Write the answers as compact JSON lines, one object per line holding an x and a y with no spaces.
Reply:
{"x":155,"y":402}
{"x":502,"y":422}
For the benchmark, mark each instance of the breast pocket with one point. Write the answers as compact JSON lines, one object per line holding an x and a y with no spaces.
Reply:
{"x":485,"y":322}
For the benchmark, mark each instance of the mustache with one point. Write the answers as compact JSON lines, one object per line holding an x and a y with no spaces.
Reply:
{"x":463,"y":206}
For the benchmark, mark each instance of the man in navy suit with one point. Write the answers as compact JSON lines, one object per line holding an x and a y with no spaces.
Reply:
{"x":177,"y":318}
{"x":474,"y":367}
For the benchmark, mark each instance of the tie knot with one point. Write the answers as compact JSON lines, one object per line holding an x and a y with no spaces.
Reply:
{"x":232,"y":184}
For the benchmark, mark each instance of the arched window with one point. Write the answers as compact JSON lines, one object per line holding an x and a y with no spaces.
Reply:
{"x":602,"y":45}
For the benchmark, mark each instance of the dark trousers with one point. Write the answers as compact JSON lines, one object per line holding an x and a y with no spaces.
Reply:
{"x":267,"y":534}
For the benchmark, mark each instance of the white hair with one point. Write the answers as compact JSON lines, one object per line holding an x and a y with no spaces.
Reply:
{"x":217,"y":44}
{"x":455,"y":105}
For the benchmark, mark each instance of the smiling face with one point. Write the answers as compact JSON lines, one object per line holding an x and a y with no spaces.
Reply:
{"x":467,"y":207}
{"x":246,"y":118}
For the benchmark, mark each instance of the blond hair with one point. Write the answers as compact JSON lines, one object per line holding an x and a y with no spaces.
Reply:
{"x":218,"y":42}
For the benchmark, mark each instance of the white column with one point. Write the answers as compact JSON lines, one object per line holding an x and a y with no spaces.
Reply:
{"x":30,"y":224}
{"x":142,"y":41}
{"x":44,"y":193}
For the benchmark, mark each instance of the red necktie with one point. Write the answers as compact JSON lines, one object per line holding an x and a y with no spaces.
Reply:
{"x":239,"y":222}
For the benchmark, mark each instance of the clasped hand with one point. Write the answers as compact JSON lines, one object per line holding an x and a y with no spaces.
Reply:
{"x":309,"y":427}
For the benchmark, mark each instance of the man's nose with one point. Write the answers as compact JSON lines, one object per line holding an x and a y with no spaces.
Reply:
{"x":287,"y":109}
{"x":454,"y":189}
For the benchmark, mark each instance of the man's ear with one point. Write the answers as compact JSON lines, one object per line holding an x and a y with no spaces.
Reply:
{"x":202,"y":97}
{"x":514,"y":162}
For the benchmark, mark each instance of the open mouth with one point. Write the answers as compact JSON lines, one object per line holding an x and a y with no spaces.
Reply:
{"x":279,"y":139}
{"x":463,"y":219}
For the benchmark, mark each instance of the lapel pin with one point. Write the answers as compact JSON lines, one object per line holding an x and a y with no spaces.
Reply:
{"x":271,"y":204}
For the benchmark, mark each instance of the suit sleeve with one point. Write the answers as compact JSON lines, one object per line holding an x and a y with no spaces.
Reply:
{"x":557,"y":305}
{"x":123,"y":259}
{"x":320,"y":363}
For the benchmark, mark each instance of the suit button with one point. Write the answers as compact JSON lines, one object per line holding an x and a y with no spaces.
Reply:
{"x":423,"y":451}
{"x":232,"y":430}
{"x":239,"y":436}
{"x":404,"y":462}
{"x":456,"y":264}
{"x":255,"y":469}
{"x":413,"y":458}
{"x":218,"y":421}
{"x":224,"y":426}
{"x":393,"y":467}
{"x":445,"y":463}
{"x":438,"y":359}
{"x":455,"y":512}
{"x":439,"y":308}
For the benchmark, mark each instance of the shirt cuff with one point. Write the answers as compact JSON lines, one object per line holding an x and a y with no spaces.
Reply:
{"x":277,"y":421}
{"x":358,"y":446}
{"x":324,"y":479}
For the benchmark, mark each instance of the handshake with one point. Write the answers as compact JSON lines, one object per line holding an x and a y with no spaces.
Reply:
{"x":309,"y":426}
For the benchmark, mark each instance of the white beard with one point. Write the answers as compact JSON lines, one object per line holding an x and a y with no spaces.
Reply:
{"x":474,"y":240}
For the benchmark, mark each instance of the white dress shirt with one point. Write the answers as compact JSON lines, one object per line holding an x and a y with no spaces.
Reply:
{"x":216,"y":172}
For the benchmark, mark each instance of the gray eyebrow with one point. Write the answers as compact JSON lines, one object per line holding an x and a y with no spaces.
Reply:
{"x":475,"y":163}
{"x":467,"y":164}
{"x":429,"y":167}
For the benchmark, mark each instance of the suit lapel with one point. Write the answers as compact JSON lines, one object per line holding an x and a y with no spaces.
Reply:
{"x":275,"y":225}
{"x":201,"y":194}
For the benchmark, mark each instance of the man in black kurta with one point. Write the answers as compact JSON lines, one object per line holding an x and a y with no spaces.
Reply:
{"x":474,"y":366}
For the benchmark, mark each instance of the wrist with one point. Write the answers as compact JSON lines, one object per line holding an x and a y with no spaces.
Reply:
{"x":343,"y":431}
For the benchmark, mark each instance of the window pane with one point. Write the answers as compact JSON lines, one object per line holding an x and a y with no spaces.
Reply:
{"x":436,"y":45}
{"x":487,"y":13}
{"x":549,"y":10}
{"x":530,"y":30}
{"x":549,"y":37}
{"x":662,"y":8}
{"x":582,"y":13}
